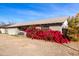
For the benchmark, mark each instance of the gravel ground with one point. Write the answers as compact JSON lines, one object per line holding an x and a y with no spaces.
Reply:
{"x":22,"y":46}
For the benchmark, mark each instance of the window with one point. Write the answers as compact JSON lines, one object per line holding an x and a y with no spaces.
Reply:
{"x":45,"y":27}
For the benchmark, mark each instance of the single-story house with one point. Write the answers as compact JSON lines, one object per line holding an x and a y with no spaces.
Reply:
{"x":3,"y":28}
{"x":52,"y":23}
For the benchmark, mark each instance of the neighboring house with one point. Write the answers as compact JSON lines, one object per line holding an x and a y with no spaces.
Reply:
{"x":3,"y":28}
{"x":52,"y":23}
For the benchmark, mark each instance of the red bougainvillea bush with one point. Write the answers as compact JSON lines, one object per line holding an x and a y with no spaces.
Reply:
{"x":49,"y":35}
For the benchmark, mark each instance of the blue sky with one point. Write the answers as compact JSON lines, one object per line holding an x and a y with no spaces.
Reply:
{"x":31,"y":12}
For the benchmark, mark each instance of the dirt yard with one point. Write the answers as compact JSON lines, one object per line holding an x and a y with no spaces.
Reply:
{"x":22,"y":46}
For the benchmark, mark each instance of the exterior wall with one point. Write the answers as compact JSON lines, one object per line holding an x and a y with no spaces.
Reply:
{"x":38,"y":27}
{"x":65,"y":24}
{"x":3,"y":30}
{"x":58,"y":28}
{"x":16,"y":31}
{"x":13,"y":31}
{"x":41,"y":27}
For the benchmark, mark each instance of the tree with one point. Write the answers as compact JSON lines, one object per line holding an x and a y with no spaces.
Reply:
{"x":3,"y":24}
{"x":73,"y":29}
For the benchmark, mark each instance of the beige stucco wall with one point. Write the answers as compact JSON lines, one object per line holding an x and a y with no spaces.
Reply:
{"x":12,"y":31}
{"x":3,"y":30}
{"x":58,"y":28}
{"x":38,"y":27}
